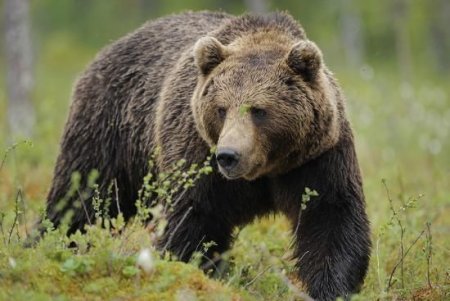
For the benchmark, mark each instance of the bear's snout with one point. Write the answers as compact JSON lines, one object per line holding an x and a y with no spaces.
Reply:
{"x":235,"y":153}
{"x":227,"y":158}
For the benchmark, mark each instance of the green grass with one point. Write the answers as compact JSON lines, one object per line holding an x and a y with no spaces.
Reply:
{"x":402,"y":134}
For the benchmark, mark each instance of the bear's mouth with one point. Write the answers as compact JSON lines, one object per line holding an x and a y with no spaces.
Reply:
{"x":230,"y":175}
{"x":234,"y":174}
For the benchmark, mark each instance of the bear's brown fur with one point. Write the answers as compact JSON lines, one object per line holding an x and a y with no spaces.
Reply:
{"x":258,"y":89}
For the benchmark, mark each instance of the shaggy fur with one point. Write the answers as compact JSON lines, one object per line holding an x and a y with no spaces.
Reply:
{"x":178,"y":84}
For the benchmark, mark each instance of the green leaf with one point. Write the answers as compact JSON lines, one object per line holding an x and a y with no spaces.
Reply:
{"x":130,"y":271}
{"x":244,"y":108}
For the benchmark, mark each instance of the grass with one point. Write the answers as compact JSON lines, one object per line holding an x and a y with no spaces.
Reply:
{"x":403,"y":142}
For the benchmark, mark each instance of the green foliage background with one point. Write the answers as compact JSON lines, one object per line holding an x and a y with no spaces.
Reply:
{"x":398,"y":102}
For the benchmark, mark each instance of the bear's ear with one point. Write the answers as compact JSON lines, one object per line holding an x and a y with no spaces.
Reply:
{"x":305,"y":59}
{"x":208,"y":53}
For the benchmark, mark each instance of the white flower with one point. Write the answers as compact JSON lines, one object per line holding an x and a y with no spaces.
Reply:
{"x":12,"y":262}
{"x":145,"y":261}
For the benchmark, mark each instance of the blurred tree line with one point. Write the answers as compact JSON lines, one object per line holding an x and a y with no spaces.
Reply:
{"x":384,"y":31}
{"x":405,"y":36}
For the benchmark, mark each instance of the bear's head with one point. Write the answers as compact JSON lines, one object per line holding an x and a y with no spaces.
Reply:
{"x":266,"y":104}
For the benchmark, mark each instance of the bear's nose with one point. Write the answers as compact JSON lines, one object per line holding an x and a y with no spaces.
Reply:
{"x":227,"y":158}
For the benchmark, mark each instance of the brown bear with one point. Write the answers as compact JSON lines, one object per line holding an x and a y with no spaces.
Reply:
{"x":256,"y":89}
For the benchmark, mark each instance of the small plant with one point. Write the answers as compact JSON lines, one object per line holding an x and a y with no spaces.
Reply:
{"x":130,"y":271}
{"x":244,"y":108}
{"x":307,"y":196}
{"x":12,"y":148}
{"x":397,"y":225}
{"x":162,"y":192}
{"x":77,"y":265}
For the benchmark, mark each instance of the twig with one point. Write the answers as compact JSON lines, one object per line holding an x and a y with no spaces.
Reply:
{"x":2,"y":218}
{"x":209,"y":263}
{"x":297,"y":227}
{"x":378,"y":263}
{"x":6,"y":155}
{"x":16,"y":217}
{"x":402,"y":252}
{"x":117,"y":196}
{"x":19,"y":213}
{"x":179,"y":198}
{"x":257,"y":276}
{"x":402,"y":258}
{"x":185,"y":248}
{"x":429,"y":251}
{"x":24,"y":214}
{"x":84,"y":207}
{"x":402,"y":232}
{"x":199,"y":243}
{"x":172,"y":234}
{"x":10,"y":149}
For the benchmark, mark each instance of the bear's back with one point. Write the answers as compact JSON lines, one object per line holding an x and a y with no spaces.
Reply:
{"x":162,"y":40}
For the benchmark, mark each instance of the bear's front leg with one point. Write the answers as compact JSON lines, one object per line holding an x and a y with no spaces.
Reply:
{"x":189,"y":228}
{"x":208,"y":212}
{"x":332,"y":235}
{"x":332,"y":248}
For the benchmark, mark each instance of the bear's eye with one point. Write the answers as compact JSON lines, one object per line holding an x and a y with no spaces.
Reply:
{"x":290,"y":82}
{"x":258,"y":114}
{"x":222,"y":112}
